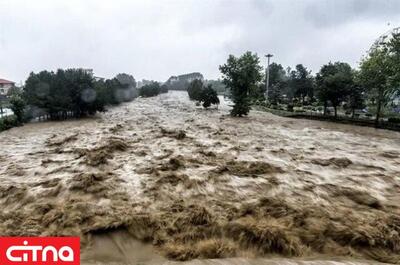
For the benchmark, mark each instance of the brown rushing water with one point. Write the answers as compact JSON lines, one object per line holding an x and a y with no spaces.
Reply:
{"x":158,"y":179}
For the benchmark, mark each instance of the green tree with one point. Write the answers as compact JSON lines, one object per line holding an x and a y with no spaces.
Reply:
{"x":164,"y":89}
{"x":380,"y":71}
{"x":126,"y":79}
{"x":37,"y":90}
{"x":18,"y":107}
{"x":241,"y":75}
{"x":195,"y":89}
{"x":127,"y":86}
{"x":209,"y":96}
{"x":301,"y":82}
{"x":394,"y":65}
{"x":334,"y":81}
{"x":14,"y":90}
{"x":277,"y":83}
{"x":150,"y":90}
{"x":356,"y":98}
{"x":62,"y":93}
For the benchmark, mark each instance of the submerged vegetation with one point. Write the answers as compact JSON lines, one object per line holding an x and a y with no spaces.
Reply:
{"x":202,"y":94}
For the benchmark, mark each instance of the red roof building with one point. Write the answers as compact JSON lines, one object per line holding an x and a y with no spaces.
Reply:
{"x":5,"y":85}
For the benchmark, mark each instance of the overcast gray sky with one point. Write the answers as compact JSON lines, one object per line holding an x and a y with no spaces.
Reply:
{"x":156,"y":39}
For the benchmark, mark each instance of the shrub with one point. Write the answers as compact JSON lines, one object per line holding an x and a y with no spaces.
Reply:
{"x":394,"y":119}
{"x":209,"y":96}
{"x":199,"y":93}
{"x":8,"y":122}
{"x":150,"y":90}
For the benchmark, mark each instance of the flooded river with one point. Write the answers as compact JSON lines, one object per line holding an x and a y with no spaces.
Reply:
{"x":159,"y":180}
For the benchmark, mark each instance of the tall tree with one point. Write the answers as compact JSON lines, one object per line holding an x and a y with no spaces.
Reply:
{"x":63,"y":92}
{"x":380,"y":71}
{"x":301,"y":82}
{"x":195,"y":89}
{"x":278,"y":83}
{"x":18,"y":107}
{"x":356,"y":98}
{"x":334,"y":81}
{"x":241,"y":74}
{"x":128,"y":86}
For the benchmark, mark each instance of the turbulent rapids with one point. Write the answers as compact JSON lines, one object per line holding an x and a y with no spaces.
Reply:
{"x":159,"y":180}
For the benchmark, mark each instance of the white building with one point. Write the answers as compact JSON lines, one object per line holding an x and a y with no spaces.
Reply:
{"x":5,"y":85}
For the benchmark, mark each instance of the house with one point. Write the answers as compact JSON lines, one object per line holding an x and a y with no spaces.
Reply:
{"x":181,"y":82}
{"x":185,"y":78}
{"x":5,"y":85}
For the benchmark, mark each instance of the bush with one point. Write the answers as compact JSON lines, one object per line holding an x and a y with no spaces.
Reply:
{"x":394,"y":119}
{"x":150,"y":90}
{"x":199,"y":93}
{"x":209,"y":96}
{"x":8,"y":122}
{"x":290,"y":107}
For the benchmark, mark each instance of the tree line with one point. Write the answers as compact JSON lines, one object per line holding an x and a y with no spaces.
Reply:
{"x":75,"y":92}
{"x":67,"y":93}
{"x":375,"y":83}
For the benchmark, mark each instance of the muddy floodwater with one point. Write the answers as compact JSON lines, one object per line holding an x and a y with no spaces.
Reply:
{"x":159,"y":181}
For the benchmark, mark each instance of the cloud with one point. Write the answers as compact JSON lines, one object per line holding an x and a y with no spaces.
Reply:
{"x":155,"y":39}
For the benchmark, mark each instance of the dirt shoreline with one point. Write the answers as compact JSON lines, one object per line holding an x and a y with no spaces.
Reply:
{"x":198,"y":184}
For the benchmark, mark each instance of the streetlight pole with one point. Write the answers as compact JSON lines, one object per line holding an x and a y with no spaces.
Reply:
{"x":267,"y":81}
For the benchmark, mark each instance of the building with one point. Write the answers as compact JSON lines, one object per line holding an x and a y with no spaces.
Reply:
{"x":185,"y":78}
{"x":181,"y":82}
{"x":5,"y":85}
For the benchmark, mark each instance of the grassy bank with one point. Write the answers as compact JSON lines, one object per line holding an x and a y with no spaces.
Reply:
{"x":339,"y":119}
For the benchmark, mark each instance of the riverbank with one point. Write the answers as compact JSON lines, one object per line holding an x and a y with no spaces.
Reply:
{"x":340,"y":119}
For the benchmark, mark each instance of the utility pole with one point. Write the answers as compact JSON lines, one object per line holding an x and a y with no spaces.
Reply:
{"x":267,"y":81}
